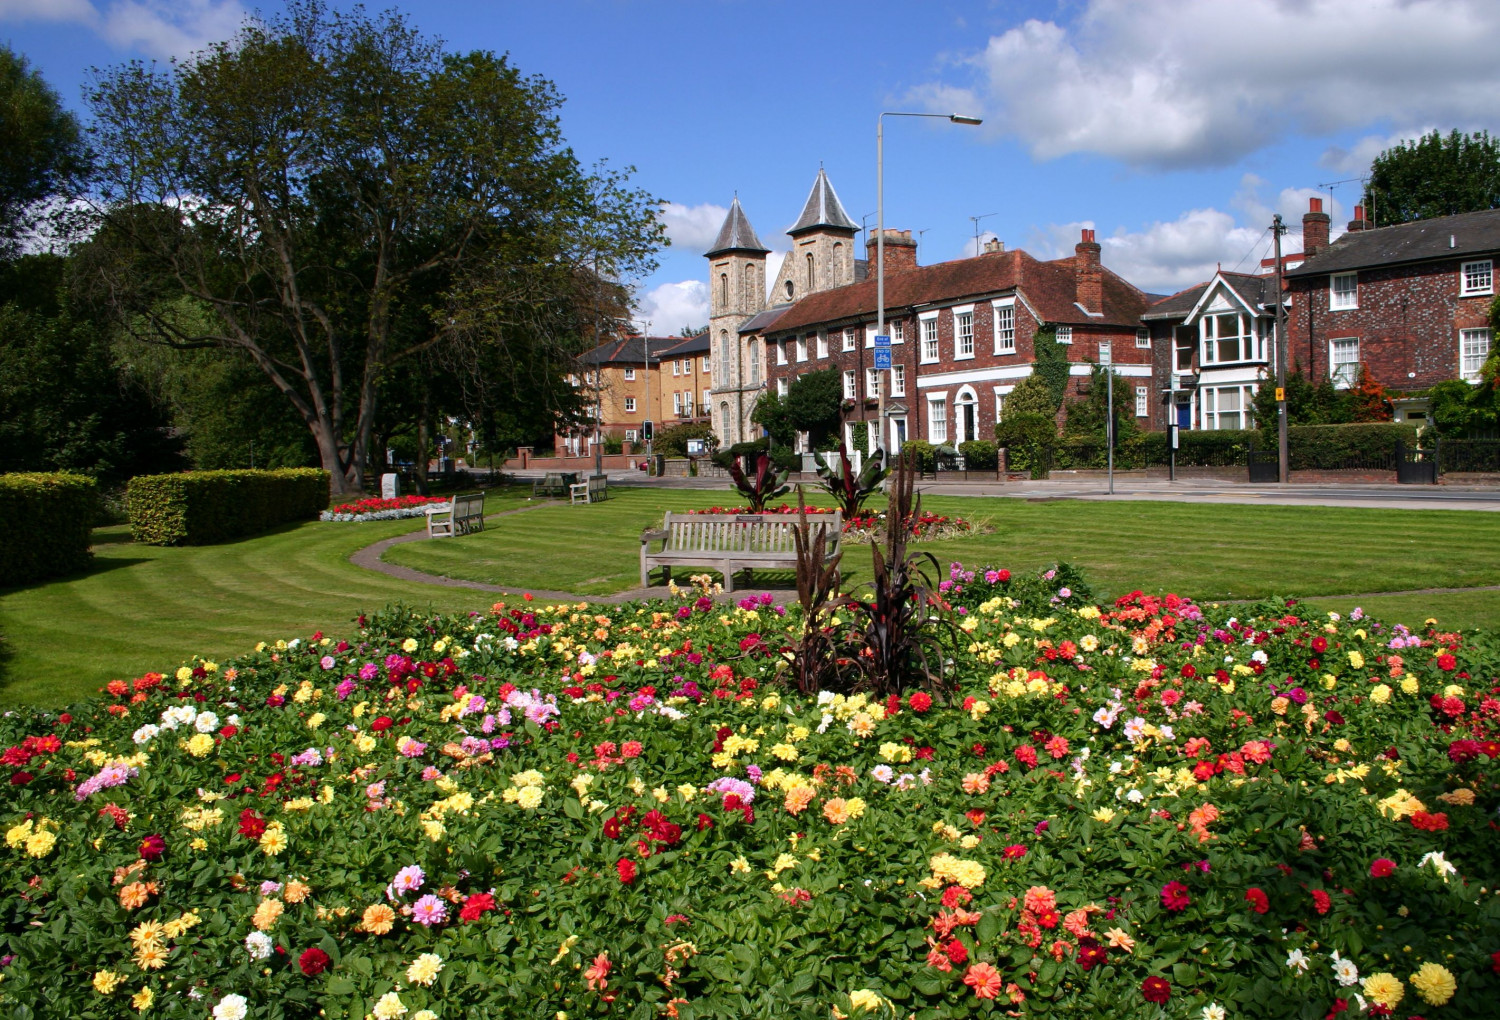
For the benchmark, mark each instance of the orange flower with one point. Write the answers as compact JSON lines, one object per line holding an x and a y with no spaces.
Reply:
{"x":976,"y":782}
{"x":135,"y":895}
{"x":597,"y":973}
{"x":797,"y":799}
{"x":1117,"y":938}
{"x":296,"y":891}
{"x":985,"y":980}
{"x":1077,"y":922}
{"x":836,"y":810}
{"x":1040,"y":899}
{"x":378,"y":919}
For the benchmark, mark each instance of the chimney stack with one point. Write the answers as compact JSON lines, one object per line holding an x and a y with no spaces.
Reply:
{"x":1314,"y":227}
{"x":1089,"y":275}
{"x":900,"y":251}
{"x":993,"y":246}
{"x":1359,"y":222}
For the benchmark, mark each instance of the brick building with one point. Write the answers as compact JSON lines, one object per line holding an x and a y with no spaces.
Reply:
{"x":626,"y":388}
{"x":961,"y":336}
{"x":1409,"y":303}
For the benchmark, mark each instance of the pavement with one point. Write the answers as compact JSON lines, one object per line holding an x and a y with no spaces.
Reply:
{"x":1136,"y":488}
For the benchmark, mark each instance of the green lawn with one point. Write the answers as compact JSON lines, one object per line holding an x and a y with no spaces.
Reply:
{"x":1211,"y":551}
{"x":144,"y":608}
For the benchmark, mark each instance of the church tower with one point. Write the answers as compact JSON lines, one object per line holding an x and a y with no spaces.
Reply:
{"x":822,"y":255}
{"x":737,"y":291}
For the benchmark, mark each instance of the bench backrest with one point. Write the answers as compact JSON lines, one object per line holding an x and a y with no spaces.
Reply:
{"x":468,"y":504}
{"x":553,"y":478}
{"x":750,"y":533}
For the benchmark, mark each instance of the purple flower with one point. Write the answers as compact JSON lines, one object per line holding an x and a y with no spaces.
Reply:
{"x":369,"y":671}
{"x":1066,"y":593}
{"x":1041,"y":827}
{"x":113,"y":775}
{"x":429,"y":910}
{"x":1298,"y":695}
{"x":754,"y":772}
{"x":327,"y":662}
{"x":345,"y":688}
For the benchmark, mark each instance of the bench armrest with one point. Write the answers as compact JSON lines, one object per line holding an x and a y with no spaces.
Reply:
{"x":649,"y":536}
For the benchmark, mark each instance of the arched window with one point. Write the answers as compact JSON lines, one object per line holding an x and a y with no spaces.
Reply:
{"x":752,"y":288}
{"x":754,"y":362}
{"x":726,"y":360}
{"x":725,"y":429}
{"x":789,"y":290}
{"x":811,"y":279}
{"x":723,"y":292}
{"x":837,"y":272}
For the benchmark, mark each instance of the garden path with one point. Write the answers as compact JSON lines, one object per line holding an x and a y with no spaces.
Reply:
{"x":370,"y":558}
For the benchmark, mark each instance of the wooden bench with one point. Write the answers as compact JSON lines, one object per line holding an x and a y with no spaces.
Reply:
{"x":732,"y":542}
{"x":459,"y":516}
{"x":554,"y":483}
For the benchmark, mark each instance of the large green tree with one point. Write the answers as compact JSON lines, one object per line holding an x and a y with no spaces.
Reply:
{"x":1436,"y":175}
{"x":41,"y":152}
{"x":345,"y":198}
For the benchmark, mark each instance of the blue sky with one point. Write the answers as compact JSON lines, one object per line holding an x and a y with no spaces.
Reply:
{"x":1175,"y":128}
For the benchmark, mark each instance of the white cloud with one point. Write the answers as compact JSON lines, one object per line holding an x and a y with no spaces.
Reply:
{"x":773,"y":266}
{"x":669,"y":307}
{"x":1166,"y":257}
{"x":693,"y":227}
{"x":973,"y":246}
{"x":1355,"y":161}
{"x":157,"y":28}
{"x":1178,"y":83}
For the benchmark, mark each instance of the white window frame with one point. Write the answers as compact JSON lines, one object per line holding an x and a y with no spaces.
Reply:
{"x":930,"y":353}
{"x":687,"y":403}
{"x":1477,"y":277}
{"x":629,"y":375}
{"x":1064,"y":334}
{"x":781,"y":353}
{"x":781,"y":386}
{"x":1143,"y":338}
{"x":937,"y":417}
{"x":1343,"y":380}
{"x":851,"y":339}
{"x":630,"y":405}
{"x":869,"y":335}
{"x":1468,"y":367}
{"x":872,"y":382}
{"x":1143,"y":401}
{"x":898,"y":330}
{"x":677,"y":403}
{"x":898,"y":380}
{"x":963,"y":341}
{"x":1213,"y":411}
{"x":1003,"y":325}
{"x":707,"y":398}
{"x":1342,"y":299}
{"x":822,"y":345}
{"x":703,"y":363}
{"x":851,"y":381}
{"x":1209,"y":338}
{"x":676,"y":368}
{"x":802,"y":348}
{"x":630,"y":435}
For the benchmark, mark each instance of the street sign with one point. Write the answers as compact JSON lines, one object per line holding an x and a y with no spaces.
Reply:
{"x":1106,"y":353}
{"x":1280,"y":394}
{"x":882,"y":341}
{"x":882,"y":358}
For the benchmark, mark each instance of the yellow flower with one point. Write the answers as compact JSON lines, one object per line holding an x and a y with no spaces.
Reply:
{"x":786,"y":752}
{"x":948,"y":868}
{"x":409,"y":646}
{"x":1380,"y":694}
{"x":15,"y":836}
{"x":864,"y":999}
{"x":530,"y":797}
{"x":1384,"y":988}
{"x":273,"y":841}
{"x":425,"y":969}
{"x":106,"y":981}
{"x":1409,"y":684}
{"x":315,"y":720}
{"x":151,"y":957}
{"x":184,"y":673}
{"x":179,"y":925}
{"x":40,"y":843}
{"x":1434,"y":983}
{"x":200,"y":745}
{"x":142,"y":999}
{"x":147,"y":933}
{"x":1104,"y":814}
{"x":365,"y":743}
{"x":739,"y":865}
{"x":855,"y":806}
{"x":390,"y":1006}
{"x":1357,"y":660}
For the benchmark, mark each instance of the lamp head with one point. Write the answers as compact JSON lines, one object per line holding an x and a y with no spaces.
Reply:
{"x":959,"y":118}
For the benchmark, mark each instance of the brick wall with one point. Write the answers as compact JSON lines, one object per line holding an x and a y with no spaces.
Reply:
{"x":1407,"y":323}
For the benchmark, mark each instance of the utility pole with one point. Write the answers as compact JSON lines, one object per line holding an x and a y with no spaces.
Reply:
{"x":1282,"y":473}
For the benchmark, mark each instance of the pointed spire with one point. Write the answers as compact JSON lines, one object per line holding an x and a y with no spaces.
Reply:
{"x":822,"y":209}
{"x":736,"y":234}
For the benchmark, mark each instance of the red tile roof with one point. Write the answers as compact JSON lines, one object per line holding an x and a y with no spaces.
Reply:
{"x":1050,"y":287}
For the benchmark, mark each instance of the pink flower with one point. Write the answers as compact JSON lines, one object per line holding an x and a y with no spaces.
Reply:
{"x":429,"y":910}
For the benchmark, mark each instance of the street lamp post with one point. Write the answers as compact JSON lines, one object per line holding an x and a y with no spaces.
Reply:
{"x":956,"y":118}
{"x":646,"y":357}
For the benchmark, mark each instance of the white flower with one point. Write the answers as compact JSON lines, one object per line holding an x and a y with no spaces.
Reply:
{"x":1135,"y":796}
{"x":258,"y":945}
{"x":146,"y":733}
{"x":1213,"y":1011}
{"x":1439,"y":863}
{"x":1296,"y":960}
{"x":1345,"y":971}
{"x":231,"y":1007}
{"x":206,"y":722}
{"x":882,"y":773}
{"x":825,"y":697}
{"x":1134,"y":728}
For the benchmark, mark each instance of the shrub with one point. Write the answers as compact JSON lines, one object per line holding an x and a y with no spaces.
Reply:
{"x":980,"y":455}
{"x":673,"y":441}
{"x":202,"y":507}
{"x":1311,"y":447}
{"x":925,"y":454}
{"x":1195,"y":448}
{"x":1030,"y":437}
{"x":614,"y":443}
{"x":45,"y":520}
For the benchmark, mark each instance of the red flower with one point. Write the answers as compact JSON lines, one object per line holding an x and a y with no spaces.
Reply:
{"x":1320,"y":644}
{"x":1437,"y":821}
{"x":1258,"y":900}
{"x":1091,"y":954}
{"x":1015,"y":850}
{"x":920,"y":701}
{"x":476,"y":905}
{"x":1174,"y":896}
{"x":1382,"y":867}
{"x":626,"y":868}
{"x":1495,"y":962}
{"x":1321,"y":901}
{"x":956,"y":951}
{"x":381,"y":724}
{"x":252,"y":825}
{"x":1004,"y":576}
{"x":1447,"y":663}
{"x":152,"y":848}
{"x":313,"y":961}
{"x":1155,"y":989}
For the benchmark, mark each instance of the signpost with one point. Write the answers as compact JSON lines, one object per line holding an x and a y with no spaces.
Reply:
{"x":882,"y":364}
{"x":1106,"y":359}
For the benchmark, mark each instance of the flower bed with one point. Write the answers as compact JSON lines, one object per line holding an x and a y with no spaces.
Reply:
{"x":1146,"y":809}
{"x":376,"y":509}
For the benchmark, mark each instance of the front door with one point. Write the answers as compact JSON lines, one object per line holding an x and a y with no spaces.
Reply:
{"x":898,"y":434}
{"x":1184,"y":412}
{"x":968,"y":421}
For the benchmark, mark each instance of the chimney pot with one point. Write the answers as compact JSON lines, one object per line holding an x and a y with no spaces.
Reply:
{"x":1314,"y":205}
{"x":1315,"y":223}
{"x":1358,"y":223}
{"x":1089,"y":277}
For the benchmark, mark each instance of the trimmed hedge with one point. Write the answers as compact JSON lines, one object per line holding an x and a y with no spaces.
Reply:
{"x":980,"y":455}
{"x":202,"y":507}
{"x":45,"y":521}
{"x":1366,"y":444}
